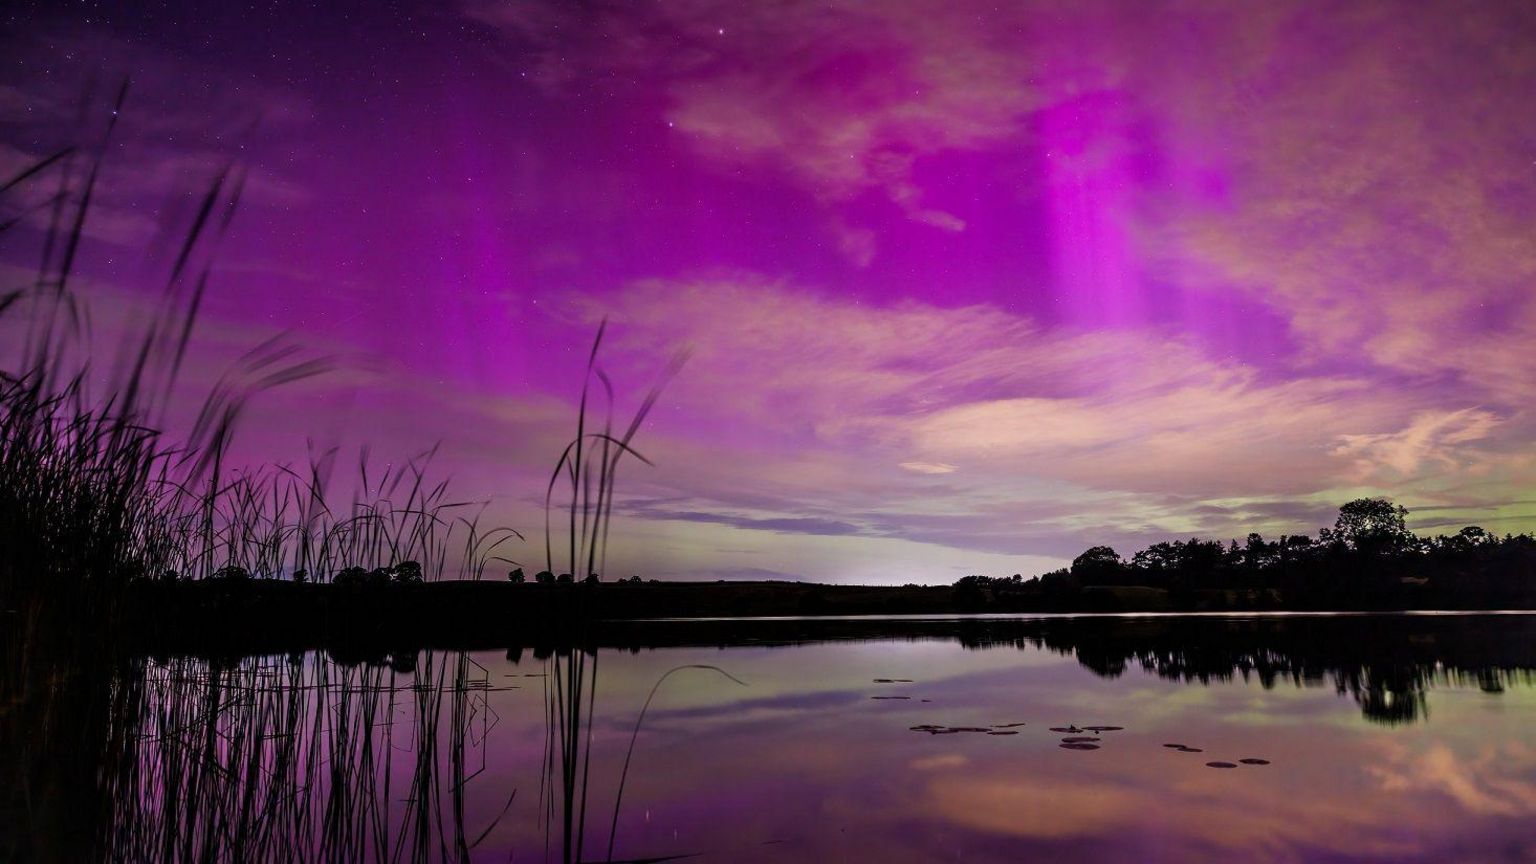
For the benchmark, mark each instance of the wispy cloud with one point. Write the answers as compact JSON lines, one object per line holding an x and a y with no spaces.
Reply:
{"x":928,"y":467}
{"x":1434,"y":439}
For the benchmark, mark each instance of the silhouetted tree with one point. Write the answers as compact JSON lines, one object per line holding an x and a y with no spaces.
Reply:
{"x":1058,"y":582}
{"x":516,"y":576}
{"x":1157,"y":558}
{"x":1373,"y":525}
{"x":1100,"y":565}
{"x":1468,"y":538}
{"x":1293,"y":547}
{"x":1257,"y":553}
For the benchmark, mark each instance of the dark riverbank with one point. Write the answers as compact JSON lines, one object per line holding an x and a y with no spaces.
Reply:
{"x":267,"y":615}
{"x":261,"y":616}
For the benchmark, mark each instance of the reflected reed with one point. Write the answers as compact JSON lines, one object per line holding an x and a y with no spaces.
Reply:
{"x":289,"y":759}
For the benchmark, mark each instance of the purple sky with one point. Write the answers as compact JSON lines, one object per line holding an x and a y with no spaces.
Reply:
{"x":968,"y":286}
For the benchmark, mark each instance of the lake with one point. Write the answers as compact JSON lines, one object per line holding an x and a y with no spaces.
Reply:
{"x":1366,"y":738}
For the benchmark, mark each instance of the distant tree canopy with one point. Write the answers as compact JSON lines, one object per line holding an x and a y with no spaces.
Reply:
{"x":1097,"y":561}
{"x":1368,"y":557}
{"x":1374,"y":525}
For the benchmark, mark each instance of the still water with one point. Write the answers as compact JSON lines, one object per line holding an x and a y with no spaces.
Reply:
{"x":1370,"y":738}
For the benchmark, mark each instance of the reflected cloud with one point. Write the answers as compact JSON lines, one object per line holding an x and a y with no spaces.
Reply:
{"x":1032,"y":808}
{"x":1496,"y":779}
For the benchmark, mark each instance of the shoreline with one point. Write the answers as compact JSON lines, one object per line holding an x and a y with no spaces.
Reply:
{"x":229,"y":617}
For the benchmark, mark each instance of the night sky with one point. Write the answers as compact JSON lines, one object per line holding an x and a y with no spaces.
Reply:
{"x":968,"y":286}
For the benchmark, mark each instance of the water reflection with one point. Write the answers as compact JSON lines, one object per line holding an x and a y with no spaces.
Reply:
{"x":1385,"y":663}
{"x":1368,"y":738}
{"x":297,"y":758}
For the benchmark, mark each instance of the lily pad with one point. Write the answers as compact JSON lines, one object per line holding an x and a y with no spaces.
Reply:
{"x":1080,"y":739}
{"x":1003,"y":732}
{"x":1069,"y":729}
{"x":1221,"y":765}
{"x":1190,"y":750}
{"x":1082,"y":746}
{"x":1254,"y":761}
{"x":1104,"y":728}
{"x":1006,"y":725}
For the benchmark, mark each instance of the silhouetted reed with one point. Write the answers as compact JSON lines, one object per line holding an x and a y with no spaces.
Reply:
{"x":95,"y":494}
{"x":589,"y":465}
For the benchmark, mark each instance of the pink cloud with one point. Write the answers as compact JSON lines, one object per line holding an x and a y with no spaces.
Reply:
{"x":977,"y":387}
{"x":1432,"y":439}
{"x":928,"y":467}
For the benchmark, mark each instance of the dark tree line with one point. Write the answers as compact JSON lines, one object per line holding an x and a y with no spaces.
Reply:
{"x":1368,"y":559}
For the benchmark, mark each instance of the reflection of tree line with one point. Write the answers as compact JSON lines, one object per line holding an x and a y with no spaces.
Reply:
{"x":1385,"y":664}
